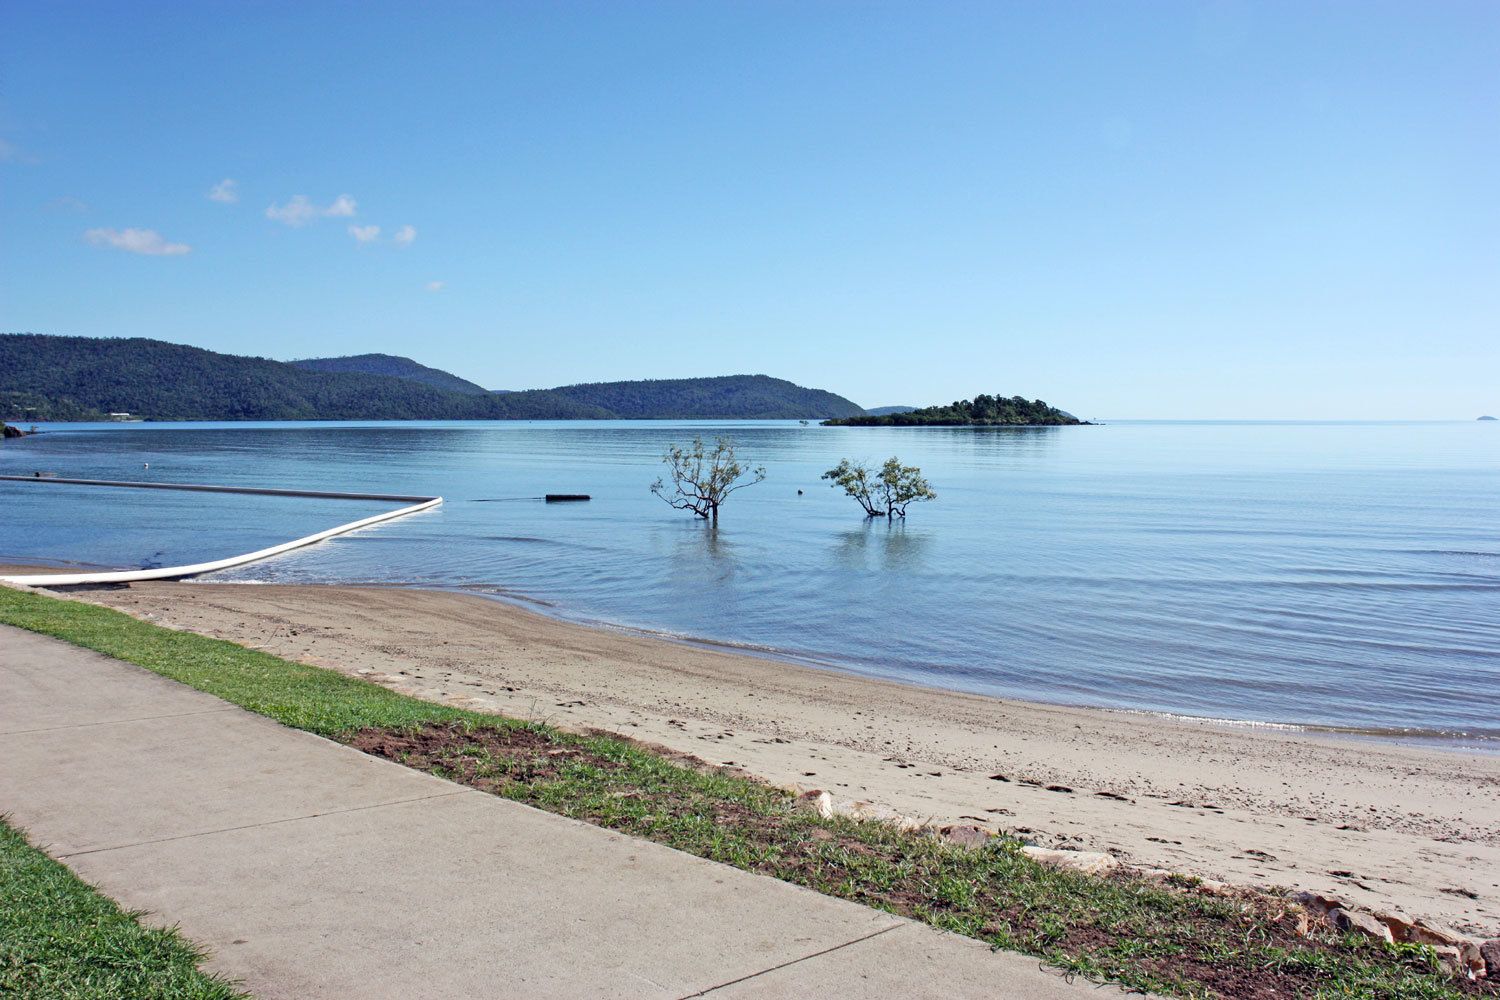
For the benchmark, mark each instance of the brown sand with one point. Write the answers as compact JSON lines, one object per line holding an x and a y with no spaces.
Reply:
{"x":1379,"y":824}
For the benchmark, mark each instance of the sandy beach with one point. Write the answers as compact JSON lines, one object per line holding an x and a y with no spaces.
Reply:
{"x":1382,"y":825}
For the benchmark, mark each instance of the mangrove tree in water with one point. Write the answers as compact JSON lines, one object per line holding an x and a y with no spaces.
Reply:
{"x":701,"y":479}
{"x":886,"y":493}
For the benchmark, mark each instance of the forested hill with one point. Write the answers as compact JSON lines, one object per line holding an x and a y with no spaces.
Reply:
{"x":750,"y":396}
{"x":981,"y":411}
{"x":82,"y":378}
{"x":390,"y":364}
{"x":73,"y":378}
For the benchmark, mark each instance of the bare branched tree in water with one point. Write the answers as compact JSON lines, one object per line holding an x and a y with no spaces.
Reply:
{"x":701,"y":479}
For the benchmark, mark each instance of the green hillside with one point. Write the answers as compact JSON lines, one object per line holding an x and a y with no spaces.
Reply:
{"x":390,"y":364}
{"x":82,"y":378}
{"x":750,"y":396}
{"x":981,"y":411}
{"x":71,"y":378}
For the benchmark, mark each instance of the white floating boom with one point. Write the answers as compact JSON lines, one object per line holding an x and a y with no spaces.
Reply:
{"x":177,"y":572}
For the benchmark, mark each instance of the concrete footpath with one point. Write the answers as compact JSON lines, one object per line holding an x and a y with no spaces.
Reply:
{"x":308,"y":869}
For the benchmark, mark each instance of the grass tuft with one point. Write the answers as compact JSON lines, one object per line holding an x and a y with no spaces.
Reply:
{"x":59,"y":938}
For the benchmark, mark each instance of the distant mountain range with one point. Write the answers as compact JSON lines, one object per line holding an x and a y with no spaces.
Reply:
{"x":81,"y":378}
{"x":885,"y":411}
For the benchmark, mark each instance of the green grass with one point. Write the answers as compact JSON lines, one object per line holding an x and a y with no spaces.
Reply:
{"x":320,"y":701}
{"x":61,"y":939}
{"x":1129,"y":930}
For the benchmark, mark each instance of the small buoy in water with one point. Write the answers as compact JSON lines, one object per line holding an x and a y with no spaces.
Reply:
{"x":146,"y":465}
{"x":799,"y":493}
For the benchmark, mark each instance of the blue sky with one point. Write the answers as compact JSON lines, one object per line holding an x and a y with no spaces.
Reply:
{"x":1146,"y":209}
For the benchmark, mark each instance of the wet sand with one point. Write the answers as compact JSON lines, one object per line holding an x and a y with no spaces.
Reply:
{"x":1380,"y":824}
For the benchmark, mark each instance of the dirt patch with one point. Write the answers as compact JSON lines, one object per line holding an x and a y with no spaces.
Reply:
{"x":484,"y":758}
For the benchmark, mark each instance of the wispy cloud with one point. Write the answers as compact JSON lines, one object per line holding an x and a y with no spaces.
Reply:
{"x":11,"y":153}
{"x":405,"y":236}
{"x":296,"y":212}
{"x":365,"y":234}
{"x":67,"y":203}
{"x":142,"y":241}
{"x":435,"y":286}
{"x":299,"y":210}
{"x":226,"y":191}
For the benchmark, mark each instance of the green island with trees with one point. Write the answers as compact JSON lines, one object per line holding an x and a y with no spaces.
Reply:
{"x":981,"y":411}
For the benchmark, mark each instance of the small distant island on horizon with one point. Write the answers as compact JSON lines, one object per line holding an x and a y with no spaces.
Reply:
{"x":1488,"y":417}
{"x":981,"y":411}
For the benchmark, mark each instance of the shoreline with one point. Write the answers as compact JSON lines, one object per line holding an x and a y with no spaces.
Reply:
{"x":1434,"y":739}
{"x":1431,"y":739}
{"x":1382,"y":824}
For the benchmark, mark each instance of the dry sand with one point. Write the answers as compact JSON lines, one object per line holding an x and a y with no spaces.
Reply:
{"x":1382,"y":825}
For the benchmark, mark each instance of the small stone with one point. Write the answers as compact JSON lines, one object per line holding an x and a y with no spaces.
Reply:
{"x":853,"y":809}
{"x":1441,"y":937}
{"x":1449,"y":958}
{"x":817,"y":801}
{"x":1423,"y":932}
{"x":1490,"y":952}
{"x":1317,"y":902}
{"x":1399,"y":924}
{"x":1359,"y":922}
{"x":1155,"y":874}
{"x":965,"y":835}
{"x":1209,"y":887}
{"x":1088,"y":862}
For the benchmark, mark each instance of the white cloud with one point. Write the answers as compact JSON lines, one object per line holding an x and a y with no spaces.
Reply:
{"x":435,"y":286}
{"x":405,"y":236}
{"x":299,"y":210}
{"x":142,"y":241}
{"x":226,"y":191}
{"x":365,"y":234}
{"x":67,"y":203}
{"x":296,"y":212}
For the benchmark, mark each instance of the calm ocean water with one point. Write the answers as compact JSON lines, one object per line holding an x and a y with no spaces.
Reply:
{"x":1343,"y":575}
